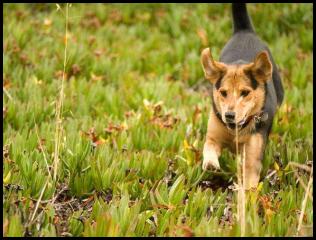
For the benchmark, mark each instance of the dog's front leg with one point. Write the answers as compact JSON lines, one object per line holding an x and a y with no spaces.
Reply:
{"x":254,"y":154}
{"x":211,"y":153}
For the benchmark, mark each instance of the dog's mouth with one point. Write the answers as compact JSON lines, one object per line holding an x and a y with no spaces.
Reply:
{"x":232,"y":125}
{"x":260,"y":117}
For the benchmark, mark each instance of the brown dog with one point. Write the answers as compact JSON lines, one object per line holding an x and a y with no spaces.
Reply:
{"x":246,"y":91}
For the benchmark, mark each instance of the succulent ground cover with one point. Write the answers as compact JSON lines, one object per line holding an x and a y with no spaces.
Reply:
{"x":134,"y":119}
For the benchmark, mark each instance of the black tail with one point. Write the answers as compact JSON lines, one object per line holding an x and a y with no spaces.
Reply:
{"x":241,"y":20}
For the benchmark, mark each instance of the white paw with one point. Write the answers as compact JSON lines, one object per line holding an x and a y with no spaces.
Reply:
{"x":210,"y":160}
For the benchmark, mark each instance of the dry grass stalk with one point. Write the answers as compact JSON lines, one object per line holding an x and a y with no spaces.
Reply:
{"x":302,"y":166}
{"x":7,"y":93}
{"x":294,"y":166}
{"x":241,"y":203}
{"x":304,"y":202}
{"x":58,"y":129}
{"x":38,"y":201}
{"x":243,"y":194}
{"x":303,"y":185}
{"x":42,"y":150}
{"x":59,"y":104}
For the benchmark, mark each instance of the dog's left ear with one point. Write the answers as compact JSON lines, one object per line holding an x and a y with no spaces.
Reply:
{"x":261,"y":68}
{"x":212,"y":70}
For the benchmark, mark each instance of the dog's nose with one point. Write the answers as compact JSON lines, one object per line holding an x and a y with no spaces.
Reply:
{"x":230,"y":116}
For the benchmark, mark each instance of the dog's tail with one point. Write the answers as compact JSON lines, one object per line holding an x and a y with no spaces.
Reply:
{"x":241,"y":20}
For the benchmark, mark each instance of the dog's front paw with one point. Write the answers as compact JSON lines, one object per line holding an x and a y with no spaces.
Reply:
{"x":210,"y":160}
{"x":251,"y":181}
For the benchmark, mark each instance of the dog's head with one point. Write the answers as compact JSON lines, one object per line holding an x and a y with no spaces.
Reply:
{"x":239,"y":90}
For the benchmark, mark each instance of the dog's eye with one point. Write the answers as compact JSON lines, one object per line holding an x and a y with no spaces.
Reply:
{"x":244,"y":93}
{"x":223,"y":93}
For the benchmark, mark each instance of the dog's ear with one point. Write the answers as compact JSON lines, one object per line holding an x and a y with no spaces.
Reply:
{"x":261,"y":68}
{"x":212,"y":70}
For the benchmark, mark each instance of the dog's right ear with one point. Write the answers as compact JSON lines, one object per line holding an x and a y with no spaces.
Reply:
{"x":212,"y":70}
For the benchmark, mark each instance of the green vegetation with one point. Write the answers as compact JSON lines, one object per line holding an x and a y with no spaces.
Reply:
{"x":134,"y":122}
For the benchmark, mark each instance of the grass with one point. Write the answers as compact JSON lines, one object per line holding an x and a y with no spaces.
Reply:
{"x":134,"y":119}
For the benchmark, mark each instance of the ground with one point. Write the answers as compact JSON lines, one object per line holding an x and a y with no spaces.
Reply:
{"x":134,"y":120}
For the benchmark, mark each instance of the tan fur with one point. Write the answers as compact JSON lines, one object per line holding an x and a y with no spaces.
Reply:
{"x":261,"y":67}
{"x":234,"y":81}
{"x":219,"y":137}
{"x":212,"y":69}
{"x":254,"y":146}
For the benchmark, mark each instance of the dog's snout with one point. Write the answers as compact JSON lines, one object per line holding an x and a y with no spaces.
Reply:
{"x":230,"y":116}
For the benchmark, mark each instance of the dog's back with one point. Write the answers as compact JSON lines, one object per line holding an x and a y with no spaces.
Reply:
{"x":245,"y":45}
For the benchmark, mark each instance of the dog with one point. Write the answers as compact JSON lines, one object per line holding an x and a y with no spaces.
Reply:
{"x":246,"y":93}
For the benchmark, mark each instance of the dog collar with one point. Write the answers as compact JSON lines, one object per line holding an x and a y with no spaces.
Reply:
{"x":259,"y":118}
